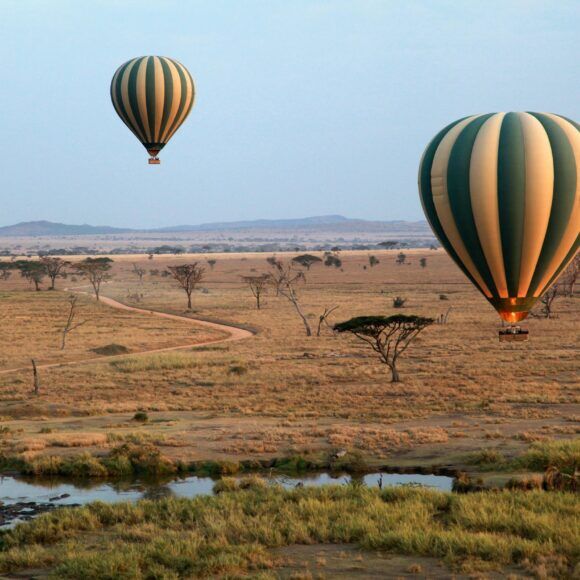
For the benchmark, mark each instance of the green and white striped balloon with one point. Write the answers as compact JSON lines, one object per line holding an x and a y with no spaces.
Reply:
{"x":502,"y":194}
{"x":153,"y":95}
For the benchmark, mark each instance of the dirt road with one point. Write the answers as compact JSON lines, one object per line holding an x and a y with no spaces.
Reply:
{"x":232,"y":333}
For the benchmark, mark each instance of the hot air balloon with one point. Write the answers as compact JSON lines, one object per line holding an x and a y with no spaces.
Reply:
{"x":501,"y":193}
{"x":153,"y":95}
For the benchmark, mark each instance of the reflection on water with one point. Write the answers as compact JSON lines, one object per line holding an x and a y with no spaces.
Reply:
{"x":15,"y":490}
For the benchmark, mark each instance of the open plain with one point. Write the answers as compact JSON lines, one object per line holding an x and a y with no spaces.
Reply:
{"x":278,"y":392}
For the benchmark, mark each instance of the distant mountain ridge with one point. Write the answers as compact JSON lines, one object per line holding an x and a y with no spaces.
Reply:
{"x":46,"y":228}
{"x":329,"y":222}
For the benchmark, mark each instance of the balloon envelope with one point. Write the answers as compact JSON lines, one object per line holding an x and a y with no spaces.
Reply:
{"x":153,"y":95}
{"x":501,"y":193}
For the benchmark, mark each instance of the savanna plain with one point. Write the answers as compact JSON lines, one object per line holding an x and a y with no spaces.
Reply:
{"x":237,"y":391}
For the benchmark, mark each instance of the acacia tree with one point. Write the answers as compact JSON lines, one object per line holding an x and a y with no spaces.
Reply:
{"x":31,"y":270}
{"x":285,"y":279}
{"x":212,"y":263}
{"x":54,"y":268}
{"x":401,"y":259}
{"x":188,"y":276}
{"x":373,"y":261}
{"x":388,"y":336}
{"x":306,"y":260}
{"x":5,"y":270}
{"x":258,"y":286}
{"x":96,"y":271}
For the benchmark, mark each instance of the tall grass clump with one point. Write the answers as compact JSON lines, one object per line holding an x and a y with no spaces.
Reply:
{"x":563,"y":454}
{"x":230,"y":534}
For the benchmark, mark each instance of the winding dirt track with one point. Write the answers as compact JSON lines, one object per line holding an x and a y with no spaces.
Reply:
{"x":233,"y":333}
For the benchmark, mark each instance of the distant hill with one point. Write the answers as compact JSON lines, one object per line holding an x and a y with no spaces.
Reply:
{"x":335,"y":223}
{"x":283,"y":224}
{"x":45,"y":228}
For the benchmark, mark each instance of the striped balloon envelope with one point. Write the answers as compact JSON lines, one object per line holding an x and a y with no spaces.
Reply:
{"x":153,"y":95}
{"x":501,"y":193}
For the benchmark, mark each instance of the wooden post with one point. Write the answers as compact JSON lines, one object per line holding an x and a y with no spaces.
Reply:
{"x":36,"y":378}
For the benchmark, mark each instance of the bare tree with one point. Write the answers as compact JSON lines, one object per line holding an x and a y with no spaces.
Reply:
{"x":275,"y":280}
{"x":547,"y":301}
{"x":323,"y":318}
{"x":285,"y":279}
{"x":570,"y":276}
{"x":388,"y":336}
{"x":442,"y":318}
{"x":139,"y":272}
{"x":70,"y":322}
{"x":188,"y":276}
{"x":96,"y":270}
{"x":54,"y":268}
{"x":258,"y":286}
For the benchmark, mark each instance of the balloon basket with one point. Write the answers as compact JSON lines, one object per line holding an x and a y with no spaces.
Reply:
{"x":513,"y":334}
{"x":154,"y":161}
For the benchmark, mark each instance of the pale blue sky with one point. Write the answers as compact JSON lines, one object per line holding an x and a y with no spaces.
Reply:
{"x":303,"y":107}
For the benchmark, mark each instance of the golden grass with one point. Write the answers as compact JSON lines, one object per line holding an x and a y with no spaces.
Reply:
{"x":280,"y":391}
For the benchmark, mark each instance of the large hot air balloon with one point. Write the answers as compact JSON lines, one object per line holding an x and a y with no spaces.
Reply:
{"x":153,"y":96}
{"x":501,"y":193}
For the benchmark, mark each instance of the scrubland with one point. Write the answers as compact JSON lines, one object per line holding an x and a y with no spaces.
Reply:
{"x":280,"y":392}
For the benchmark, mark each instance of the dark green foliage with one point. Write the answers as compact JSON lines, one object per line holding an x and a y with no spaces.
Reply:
{"x":371,"y":325}
{"x":306,"y":260}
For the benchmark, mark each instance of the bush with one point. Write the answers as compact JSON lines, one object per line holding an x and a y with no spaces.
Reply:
{"x":488,"y":458}
{"x":141,"y":416}
{"x":237,"y":370}
{"x":399,"y":302}
{"x":565,"y":455}
{"x":130,"y":458}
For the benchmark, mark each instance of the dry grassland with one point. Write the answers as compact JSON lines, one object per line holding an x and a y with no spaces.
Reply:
{"x":281,"y":392}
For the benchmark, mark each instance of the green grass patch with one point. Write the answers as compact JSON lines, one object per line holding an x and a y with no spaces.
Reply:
{"x":230,"y":535}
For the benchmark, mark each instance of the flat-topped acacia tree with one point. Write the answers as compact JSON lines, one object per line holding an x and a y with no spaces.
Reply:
{"x":388,"y":336}
{"x":188,"y":276}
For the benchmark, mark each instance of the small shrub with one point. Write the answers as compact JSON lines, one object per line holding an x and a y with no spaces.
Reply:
{"x":487,"y":457}
{"x":565,"y":455}
{"x":141,"y":416}
{"x":141,"y":458}
{"x":399,"y":302}
{"x":237,"y":370}
{"x":526,"y":483}
{"x":443,"y":297}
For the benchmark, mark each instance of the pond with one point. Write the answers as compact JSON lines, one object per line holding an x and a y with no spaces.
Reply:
{"x":22,"y":499}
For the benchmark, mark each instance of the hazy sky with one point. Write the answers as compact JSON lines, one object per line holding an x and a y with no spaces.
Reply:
{"x":303,"y":107}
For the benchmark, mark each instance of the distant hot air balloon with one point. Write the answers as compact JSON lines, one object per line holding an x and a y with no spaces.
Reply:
{"x":153,"y":96}
{"x":502,"y":194}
